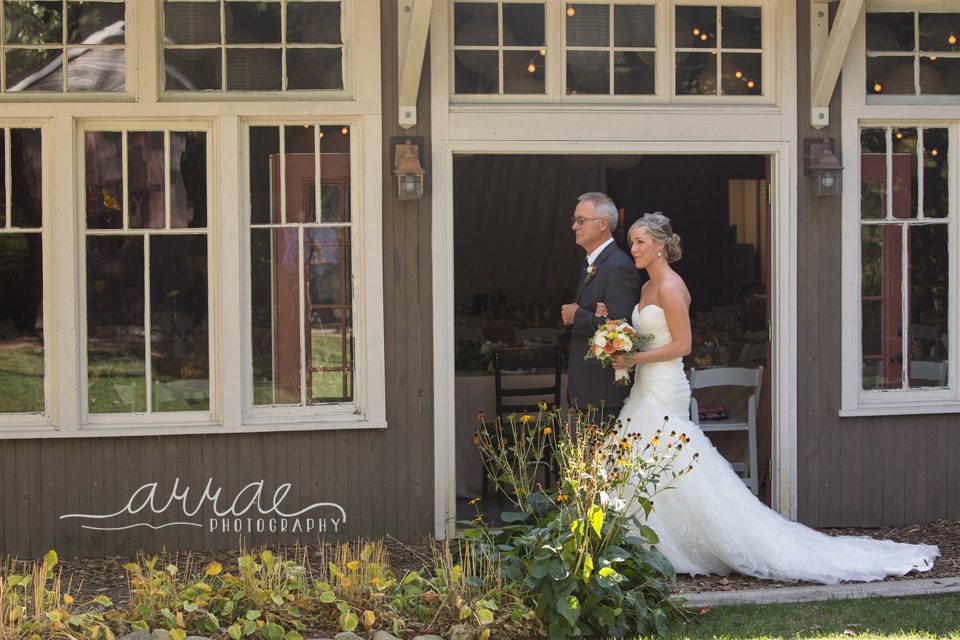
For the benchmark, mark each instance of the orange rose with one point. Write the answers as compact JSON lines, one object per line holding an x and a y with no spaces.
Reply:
{"x":609,"y":348}
{"x":611,"y":324}
{"x":618,"y":344}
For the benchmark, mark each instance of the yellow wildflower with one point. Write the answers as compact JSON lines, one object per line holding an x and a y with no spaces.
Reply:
{"x":547,"y":431}
{"x":562,"y":497}
{"x":543,"y":406}
{"x":656,"y":441}
{"x":526,"y":418}
{"x":474,"y":500}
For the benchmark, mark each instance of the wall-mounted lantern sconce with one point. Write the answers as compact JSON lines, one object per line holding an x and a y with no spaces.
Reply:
{"x":823,"y":168}
{"x":409,"y":172}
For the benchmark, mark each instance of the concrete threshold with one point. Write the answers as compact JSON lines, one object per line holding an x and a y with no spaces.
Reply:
{"x":891,"y":589}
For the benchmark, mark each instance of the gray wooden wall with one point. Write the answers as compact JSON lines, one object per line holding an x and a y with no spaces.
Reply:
{"x":383,"y":479}
{"x":854,"y":471}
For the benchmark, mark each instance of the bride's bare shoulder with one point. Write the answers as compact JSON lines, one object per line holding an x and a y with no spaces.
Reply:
{"x":674,"y":287}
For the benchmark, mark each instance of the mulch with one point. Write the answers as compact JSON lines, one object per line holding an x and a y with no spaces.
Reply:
{"x":90,"y":577}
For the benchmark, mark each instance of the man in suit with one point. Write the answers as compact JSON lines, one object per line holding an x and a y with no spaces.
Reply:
{"x":609,"y":276}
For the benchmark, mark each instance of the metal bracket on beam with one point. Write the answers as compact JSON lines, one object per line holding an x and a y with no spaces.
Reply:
{"x":828,"y":47}
{"x":413,"y":23}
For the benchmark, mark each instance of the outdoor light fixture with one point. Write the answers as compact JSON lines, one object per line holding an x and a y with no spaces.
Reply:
{"x":406,"y":166}
{"x":823,"y":168}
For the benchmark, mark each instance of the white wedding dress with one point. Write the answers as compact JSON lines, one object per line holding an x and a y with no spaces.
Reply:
{"x":710,"y":522}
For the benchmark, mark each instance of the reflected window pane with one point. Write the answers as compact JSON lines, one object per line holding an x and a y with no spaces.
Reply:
{"x":301,"y":173}
{"x":145,"y":169}
{"x":890,"y":31}
{"x":696,"y":27}
{"x":314,"y":22}
{"x":314,"y":69}
{"x":939,"y":31}
{"x":179,"y":325}
{"x":191,"y":22}
{"x":476,"y":71}
{"x":939,"y":76}
{"x":696,"y":74}
{"x":589,"y":26}
{"x":21,"y":323}
{"x":742,"y":74}
{"x":588,"y":72}
{"x":524,"y":72}
{"x":33,"y":70}
{"x":929,"y":303}
{"x":475,"y":24}
{"x":116,"y":361}
{"x":96,"y":70}
{"x":634,"y":25}
{"x":890,"y":75}
{"x":523,"y":25}
{"x":38,"y":22}
{"x":192,"y":69}
{"x":104,"y":179}
{"x":95,"y":22}
{"x":634,"y":73}
{"x":873,"y":174}
{"x":26,"y":179}
{"x":252,"y":22}
{"x":188,"y":179}
{"x":905,"y":183}
{"x":264,"y":155}
{"x":741,"y":27}
{"x":253,"y":69}
{"x":327,"y":261}
{"x":936,"y":196}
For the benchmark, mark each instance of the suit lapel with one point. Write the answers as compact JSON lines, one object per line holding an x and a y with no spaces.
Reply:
{"x":597,"y":265}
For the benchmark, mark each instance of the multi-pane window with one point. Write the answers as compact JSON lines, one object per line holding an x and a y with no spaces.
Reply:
{"x":239,"y":45}
{"x":62,"y":46}
{"x":301,"y":276}
{"x":21,"y":272}
{"x":499,"y":47}
{"x":913,"y":53}
{"x":904,"y":247}
{"x":610,"y":49}
{"x":719,"y":50}
{"x":147,"y":319}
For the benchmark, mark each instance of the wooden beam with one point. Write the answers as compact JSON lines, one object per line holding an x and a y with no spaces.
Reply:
{"x":413,"y":23}
{"x":824,"y":80}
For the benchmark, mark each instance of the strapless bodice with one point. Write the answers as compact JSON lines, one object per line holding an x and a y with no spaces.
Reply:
{"x":651,"y":325}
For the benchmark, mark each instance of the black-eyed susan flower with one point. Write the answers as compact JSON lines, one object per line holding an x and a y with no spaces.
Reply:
{"x":526,"y":418}
{"x":480,"y":416}
{"x":476,"y":438}
{"x":562,"y":497}
{"x":475,"y":500}
{"x":542,"y":405}
{"x":547,"y":431}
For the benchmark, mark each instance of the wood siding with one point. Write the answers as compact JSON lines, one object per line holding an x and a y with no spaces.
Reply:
{"x":382,"y":478}
{"x":867,"y":471}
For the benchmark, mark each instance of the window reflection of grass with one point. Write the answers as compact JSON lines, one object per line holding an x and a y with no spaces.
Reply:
{"x":326,"y":387}
{"x":21,"y":376}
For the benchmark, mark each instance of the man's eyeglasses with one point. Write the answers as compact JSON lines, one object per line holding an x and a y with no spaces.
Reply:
{"x":579,"y":220}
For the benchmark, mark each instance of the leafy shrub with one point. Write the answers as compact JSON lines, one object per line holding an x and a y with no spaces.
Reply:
{"x":582,"y":554}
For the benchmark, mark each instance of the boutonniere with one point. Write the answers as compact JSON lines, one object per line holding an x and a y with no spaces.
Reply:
{"x":591,"y":270}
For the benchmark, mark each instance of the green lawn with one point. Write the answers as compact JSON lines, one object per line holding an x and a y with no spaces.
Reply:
{"x":936,"y":616}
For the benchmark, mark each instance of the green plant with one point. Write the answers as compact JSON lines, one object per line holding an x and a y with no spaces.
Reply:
{"x":582,"y":554}
{"x":33,"y":605}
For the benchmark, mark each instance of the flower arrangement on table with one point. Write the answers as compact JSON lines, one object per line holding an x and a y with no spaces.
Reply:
{"x":615,"y":337}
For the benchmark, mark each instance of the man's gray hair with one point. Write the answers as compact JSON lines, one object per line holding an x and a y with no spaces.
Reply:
{"x":603,"y":205}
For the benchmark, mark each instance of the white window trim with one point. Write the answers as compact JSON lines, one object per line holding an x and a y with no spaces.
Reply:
{"x":665,"y":83}
{"x":225,"y":119}
{"x":858,"y":112}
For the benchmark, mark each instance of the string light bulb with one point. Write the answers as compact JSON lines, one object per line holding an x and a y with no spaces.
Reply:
{"x":321,"y":135}
{"x":703,"y":37}
{"x":696,"y":31}
{"x":952,"y":39}
{"x":739,"y":74}
{"x":934,"y":152}
{"x":345,"y":130}
{"x":899,"y":135}
{"x":543,"y":52}
{"x":877,"y":87}
{"x":531,"y":67}
{"x":751,"y":84}
{"x":571,"y":11}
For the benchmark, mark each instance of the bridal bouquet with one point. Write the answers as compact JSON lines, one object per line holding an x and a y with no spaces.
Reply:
{"x":611,"y":338}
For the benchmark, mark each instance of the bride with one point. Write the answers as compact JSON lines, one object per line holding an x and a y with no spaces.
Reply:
{"x":710,"y":522}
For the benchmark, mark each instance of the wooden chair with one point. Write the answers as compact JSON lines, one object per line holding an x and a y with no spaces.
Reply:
{"x":515,"y":396}
{"x":733,"y":377}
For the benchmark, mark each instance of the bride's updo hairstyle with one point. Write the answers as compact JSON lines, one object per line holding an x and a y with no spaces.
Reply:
{"x":658,"y":226}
